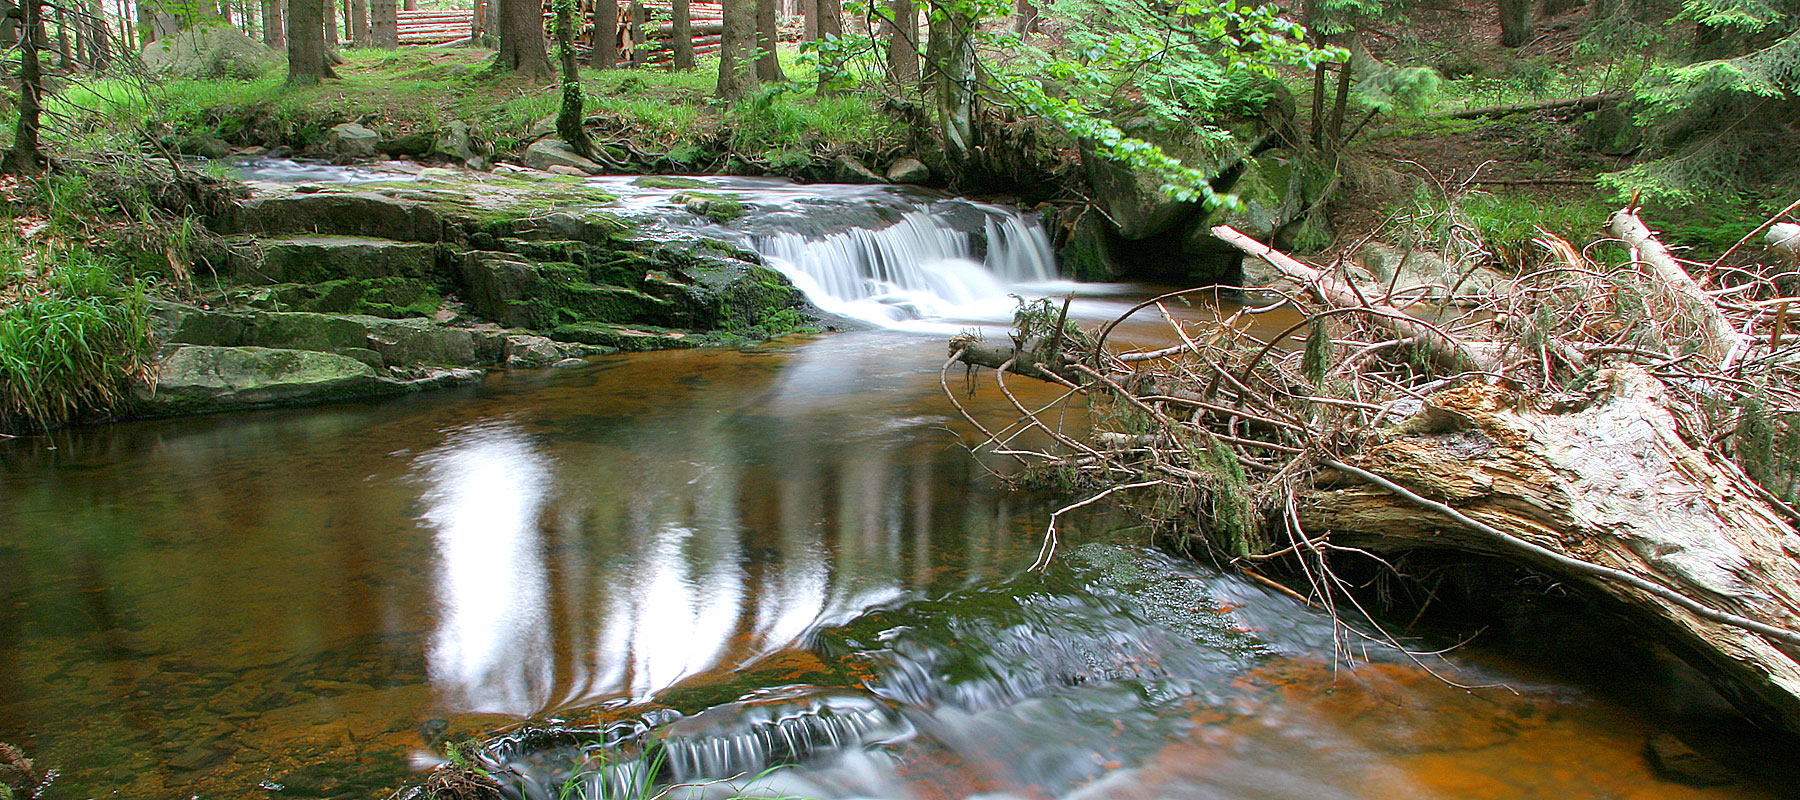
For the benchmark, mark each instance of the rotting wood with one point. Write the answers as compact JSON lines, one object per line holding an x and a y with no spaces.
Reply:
{"x":1587,"y":103}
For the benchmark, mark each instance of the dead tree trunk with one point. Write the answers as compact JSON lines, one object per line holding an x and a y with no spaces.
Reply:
{"x":1612,"y":484}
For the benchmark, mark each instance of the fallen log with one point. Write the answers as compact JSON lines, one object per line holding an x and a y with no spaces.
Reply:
{"x":1718,"y":337}
{"x":1588,"y":103}
{"x":1611,"y":484}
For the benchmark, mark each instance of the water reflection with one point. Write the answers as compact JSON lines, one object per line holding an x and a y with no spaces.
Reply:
{"x":486,"y":489}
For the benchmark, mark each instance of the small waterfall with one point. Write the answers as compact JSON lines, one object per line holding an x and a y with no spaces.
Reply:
{"x":931,"y":264}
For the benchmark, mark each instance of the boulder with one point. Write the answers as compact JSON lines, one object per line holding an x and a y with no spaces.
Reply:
{"x":455,"y":143}
{"x":519,"y":293}
{"x":1674,"y":760}
{"x":373,"y":340}
{"x":209,"y":52}
{"x":524,"y":351}
{"x":201,"y":378}
{"x":908,"y":170}
{"x":352,"y":140}
{"x":850,"y":170}
{"x":546,"y":153}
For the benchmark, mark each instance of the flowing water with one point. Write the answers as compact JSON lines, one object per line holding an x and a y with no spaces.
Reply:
{"x":770,"y":569}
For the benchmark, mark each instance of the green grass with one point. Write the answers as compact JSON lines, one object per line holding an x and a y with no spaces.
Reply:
{"x":70,"y":333}
{"x":418,"y":89}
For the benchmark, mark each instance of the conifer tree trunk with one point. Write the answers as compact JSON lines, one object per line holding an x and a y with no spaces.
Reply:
{"x":360,"y":33}
{"x":1025,"y":16}
{"x":62,"y":38}
{"x":902,"y":32}
{"x":274,"y":24}
{"x":522,"y":47}
{"x":329,"y":8}
{"x":682,"y":29}
{"x":570,"y":117}
{"x":25,"y":157}
{"x":1515,"y":22}
{"x":638,"y":23}
{"x":768,"y":41}
{"x":384,"y":25}
{"x":737,"y":49}
{"x":809,"y":10}
{"x":99,"y":36}
{"x":606,"y":34}
{"x":306,"y":43}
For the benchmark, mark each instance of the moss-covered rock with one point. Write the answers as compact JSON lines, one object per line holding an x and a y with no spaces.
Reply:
{"x":209,"y":52}
{"x":199,"y":378}
{"x":365,"y":214}
{"x":627,"y":338}
{"x":319,"y":258}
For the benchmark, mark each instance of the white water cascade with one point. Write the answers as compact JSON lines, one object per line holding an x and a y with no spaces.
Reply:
{"x":921,"y":271}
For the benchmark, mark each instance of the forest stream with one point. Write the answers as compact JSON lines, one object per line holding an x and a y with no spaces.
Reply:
{"x":777,"y":561}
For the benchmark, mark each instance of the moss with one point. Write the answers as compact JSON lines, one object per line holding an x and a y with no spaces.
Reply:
{"x":670,"y":182}
{"x":628,"y":338}
{"x":718,"y":207}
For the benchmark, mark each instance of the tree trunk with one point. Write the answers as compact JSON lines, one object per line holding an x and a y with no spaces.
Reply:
{"x":809,"y":29}
{"x":606,"y":34}
{"x":522,"y":47}
{"x":636,"y":20}
{"x":950,"y":59}
{"x":361,"y":34}
{"x":99,"y":36}
{"x":570,"y":117}
{"x":682,"y":34}
{"x":1515,"y":22}
{"x":62,"y":38}
{"x":26,"y":157}
{"x":1557,"y":8}
{"x":274,"y":23}
{"x":1612,"y":484}
{"x":409,"y":5}
{"x":901,"y":29}
{"x":384,"y":26}
{"x":768,"y":41}
{"x":307,"y":63}
{"x":737,"y":50}
{"x":329,"y":8}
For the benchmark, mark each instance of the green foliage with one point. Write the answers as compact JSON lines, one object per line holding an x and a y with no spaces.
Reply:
{"x":1409,"y":89}
{"x":70,"y":334}
{"x":1717,"y":127}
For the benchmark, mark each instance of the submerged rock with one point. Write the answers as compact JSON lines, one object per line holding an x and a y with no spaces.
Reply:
{"x":1676,"y":761}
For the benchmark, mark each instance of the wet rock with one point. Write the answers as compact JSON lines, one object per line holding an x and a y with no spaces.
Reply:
{"x":569,"y":363}
{"x":413,"y":145}
{"x":365,"y":214}
{"x":353,"y":140}
{"x":1676,"y":761}
{"x":529,"y":352}
{"x":908,"y":170}
{"x":624,"y":337}
{"x":198,"y":378}
{"x":205,"y":146}
{"x":546,"y":153}
{"x":519,"y":293}
{"x":209,"y":52}
{"x":375,"y":341}
{"x":194,"y":758}
{"x":851,"y":170}
{"x":315,"y":259}
{"x":561,"y":169}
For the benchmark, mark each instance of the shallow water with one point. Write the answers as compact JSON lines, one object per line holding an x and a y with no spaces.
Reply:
{"x":771,"y":558}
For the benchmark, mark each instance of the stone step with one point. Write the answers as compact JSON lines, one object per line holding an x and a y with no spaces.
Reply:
{"x":319,"y":258}
{"x":199,"y":378}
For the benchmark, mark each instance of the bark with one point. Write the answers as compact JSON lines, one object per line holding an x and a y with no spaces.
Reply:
{"x":274,"y":24}
{"x":636,"y":20}
{"x":1515,"y":22}
{"x":26,"y":157}
{"x":681,"y":32}
{"x":331,"y":24}
{"x":1557,"y":8}
{"x":831,"y":26}
{"x":99,"y":36}
{"x":62,"y":38}
{"x":361,"y":34}
{"x":901,"y":29}
{"x":307,"y":55}
{"x":384,"y":25}
{"x":809,"y":31}
{"x":768,"y":40}
{"x":522,"y":47}
{"x":1611,"y":484}
{"x":737,"y":51}
{"x":606,"y":35}
{"x":950,"y":61}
